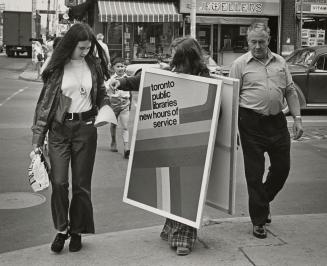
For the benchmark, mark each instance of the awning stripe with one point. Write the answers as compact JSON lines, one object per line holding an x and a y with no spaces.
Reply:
{"x":138,"y":11}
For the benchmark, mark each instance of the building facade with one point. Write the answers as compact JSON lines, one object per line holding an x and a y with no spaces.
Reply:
{"x":221,"y":26}
{"x":304,"y":23}
{"x":138,"y":31}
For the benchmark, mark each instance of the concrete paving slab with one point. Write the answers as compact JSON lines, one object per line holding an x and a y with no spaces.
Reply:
{"x":292,"y":240}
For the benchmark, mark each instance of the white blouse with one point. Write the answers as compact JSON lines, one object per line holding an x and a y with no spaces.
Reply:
{"x":77,"y":84}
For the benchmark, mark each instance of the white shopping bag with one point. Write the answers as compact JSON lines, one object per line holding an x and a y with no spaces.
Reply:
{"x":106,"y":115}
{"x":38,"y":173}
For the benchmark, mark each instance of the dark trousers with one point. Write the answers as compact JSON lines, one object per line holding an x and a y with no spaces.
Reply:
{"x":72,"y":142}
{"x":260,"y":134}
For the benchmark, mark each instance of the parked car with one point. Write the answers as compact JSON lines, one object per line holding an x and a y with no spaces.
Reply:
{"x":308,"y":67}
{"x":134,"y":69}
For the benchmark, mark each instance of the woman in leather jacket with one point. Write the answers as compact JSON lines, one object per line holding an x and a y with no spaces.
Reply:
{"x":72,"y":93}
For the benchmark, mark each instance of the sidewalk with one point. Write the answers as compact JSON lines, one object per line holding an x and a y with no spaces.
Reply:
{"x":30,"y":74}
{"x":292,"y":240}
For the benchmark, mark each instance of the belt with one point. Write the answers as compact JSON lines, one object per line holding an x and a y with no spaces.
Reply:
{"x":280,"y":114}
{"x":81,"y":116}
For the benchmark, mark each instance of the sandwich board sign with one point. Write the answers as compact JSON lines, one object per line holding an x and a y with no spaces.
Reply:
{"x":222,"y":182}
{"x":172,"y":145}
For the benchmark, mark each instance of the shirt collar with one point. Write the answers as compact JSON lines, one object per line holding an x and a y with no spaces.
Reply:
{"x":250,"y":56}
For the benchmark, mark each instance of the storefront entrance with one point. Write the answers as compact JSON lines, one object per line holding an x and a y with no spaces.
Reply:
{"x":221,"y":26}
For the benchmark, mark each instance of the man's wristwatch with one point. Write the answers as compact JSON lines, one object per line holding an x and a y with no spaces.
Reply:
{"x":297,"y":117}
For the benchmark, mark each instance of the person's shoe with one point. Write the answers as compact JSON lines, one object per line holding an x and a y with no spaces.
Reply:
{"x":113,"y":147}
{"x":75,"y":243}
{"x":164,"y":236}
{"x":268,"y":220}
{"x":59,"y":242}
{"x":126,"y":154}
{"x":181,"y":251}
{"x":259,"y":231}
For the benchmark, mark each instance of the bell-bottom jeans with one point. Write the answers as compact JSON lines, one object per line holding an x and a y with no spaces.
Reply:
{"x":72,"y":142}
{"x":260,"y":134}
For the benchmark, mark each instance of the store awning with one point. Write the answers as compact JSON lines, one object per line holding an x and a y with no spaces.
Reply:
{"x":138,"y":11}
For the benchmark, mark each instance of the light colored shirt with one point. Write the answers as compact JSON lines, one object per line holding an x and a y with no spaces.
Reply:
{"x":77,"y":84}
{"x":263,"y":86}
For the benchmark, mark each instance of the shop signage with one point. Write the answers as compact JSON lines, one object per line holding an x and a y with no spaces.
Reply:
{"x":312,"y":6}
{"x":173,"y":145}
{"x":254,"y":8}
{"x":319,"y":8}
{"x":240,"y":7}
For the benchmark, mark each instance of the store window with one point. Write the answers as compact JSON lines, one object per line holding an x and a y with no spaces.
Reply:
{"x":153,"y":40}
{"x":313,"y":31}
{"x":114,"y":34}
{"x":233,"y":38}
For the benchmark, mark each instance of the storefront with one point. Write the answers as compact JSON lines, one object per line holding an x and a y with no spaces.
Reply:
{"x":138,"y":30}
{"x":222,"y":25}
{"x":313,"y":15}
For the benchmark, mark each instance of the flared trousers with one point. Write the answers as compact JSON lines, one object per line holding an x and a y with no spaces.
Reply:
{"x":72,"y":143}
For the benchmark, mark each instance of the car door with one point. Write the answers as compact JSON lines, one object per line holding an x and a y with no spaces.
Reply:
{"x":317,"y":80}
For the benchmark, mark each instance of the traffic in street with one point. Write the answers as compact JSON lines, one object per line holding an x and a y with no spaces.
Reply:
{"x":26,"y":217}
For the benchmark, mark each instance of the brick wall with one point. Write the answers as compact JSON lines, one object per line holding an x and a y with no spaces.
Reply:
{"x":289,"y":23}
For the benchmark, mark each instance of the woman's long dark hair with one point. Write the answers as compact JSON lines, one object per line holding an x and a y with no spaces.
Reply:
{"x":65,"y":48}
{"x":188,"y":56}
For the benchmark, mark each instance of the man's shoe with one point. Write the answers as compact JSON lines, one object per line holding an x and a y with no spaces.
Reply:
{"x":268,"y":220}
{"x":126,"y":154}
{"x":181,"y":251}
{"x":75,"y":243}
{"x":113,"y":147}
{"x":59,"y":242}
{"x":259,"y":231}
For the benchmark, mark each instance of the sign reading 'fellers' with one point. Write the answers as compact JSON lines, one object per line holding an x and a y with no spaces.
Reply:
{"x":172,"y":144}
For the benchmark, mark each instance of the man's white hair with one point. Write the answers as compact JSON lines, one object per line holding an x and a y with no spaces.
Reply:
{"x":259,"y":26}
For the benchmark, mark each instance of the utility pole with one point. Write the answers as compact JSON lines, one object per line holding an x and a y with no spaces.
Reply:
{"x":48,"y":20}
{"x":301,"y":21}
{"x":193,"y":18}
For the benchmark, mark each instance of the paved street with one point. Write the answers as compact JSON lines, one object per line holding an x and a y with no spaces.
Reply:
{"x":304,"y":193}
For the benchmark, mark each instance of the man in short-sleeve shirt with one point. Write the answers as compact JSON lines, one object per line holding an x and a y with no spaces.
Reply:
{"x":265,"y":82}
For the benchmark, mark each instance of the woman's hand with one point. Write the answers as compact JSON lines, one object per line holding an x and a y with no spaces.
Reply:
{"x":36,"y":150}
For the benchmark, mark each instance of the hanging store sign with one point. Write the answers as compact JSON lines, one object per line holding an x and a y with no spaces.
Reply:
{"x":240,"y":7}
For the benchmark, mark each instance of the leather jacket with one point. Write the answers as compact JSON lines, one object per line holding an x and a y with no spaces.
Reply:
{"x":48,"y":101}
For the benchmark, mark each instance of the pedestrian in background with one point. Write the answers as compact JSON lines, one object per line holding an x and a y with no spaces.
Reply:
{"x":73,"y":91}
{"x":265,"y":82}
{"x":187,"y":57}
{"x":120,"y":102}
{"x":104,"y":47}
{"x":38,"y":57}
{"x":55,"y":42}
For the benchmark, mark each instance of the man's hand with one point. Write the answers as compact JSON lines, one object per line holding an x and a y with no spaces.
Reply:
{"x":297,"y":128}
{"x":114,"y":84}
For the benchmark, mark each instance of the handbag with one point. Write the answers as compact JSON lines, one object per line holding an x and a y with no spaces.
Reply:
{"x":38,"y":173}
{"x":62,"y":108}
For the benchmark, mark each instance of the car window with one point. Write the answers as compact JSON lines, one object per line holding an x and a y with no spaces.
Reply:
{"x":321,"y":63}
{"x":302,"y":57}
